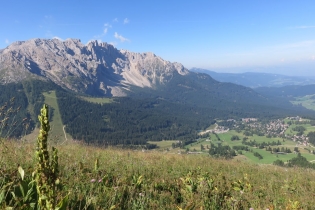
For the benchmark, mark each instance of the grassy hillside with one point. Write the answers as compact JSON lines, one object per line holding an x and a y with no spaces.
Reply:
{"x":307,"y":101}
{"x":128,"y":179}
{"x":57,"y":128}
{"x":97,"y":100}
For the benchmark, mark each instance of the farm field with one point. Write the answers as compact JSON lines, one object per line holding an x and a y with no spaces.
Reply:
{"x":309,"y":128}
{"x":165,"y":144}
{"x":98,"y":100}
{"x":306,"y":101}
{"x":268,"y":157}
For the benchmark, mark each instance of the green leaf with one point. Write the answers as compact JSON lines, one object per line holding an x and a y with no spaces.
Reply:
{"x":21,"y":172}
{"x":62,"y":205}
{"x":2,"y":195}
{"x":30,"y":195}
{"x":236,"y":188}
{"x":23,"y":188}
{"x":13,"y":194}
{"x":112,"y":207}
{"x":189,"y":188}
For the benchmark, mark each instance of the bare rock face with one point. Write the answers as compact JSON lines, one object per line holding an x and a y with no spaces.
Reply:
{"x":95,"y":68}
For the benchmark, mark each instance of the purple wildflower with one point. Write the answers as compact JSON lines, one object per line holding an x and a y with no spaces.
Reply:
{"x":93,"y":180}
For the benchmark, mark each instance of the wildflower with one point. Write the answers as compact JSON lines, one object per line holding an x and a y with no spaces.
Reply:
{"x":100,"y":180}
{"x":251,"y":209}
{"x":141,"y":194}
{"x":93,"y":180}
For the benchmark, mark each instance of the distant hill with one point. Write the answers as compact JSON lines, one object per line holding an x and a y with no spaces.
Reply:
{"x":287,"y":91}
{"x":254,"y":80}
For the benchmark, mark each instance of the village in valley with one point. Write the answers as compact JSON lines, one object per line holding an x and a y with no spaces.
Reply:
{"x":253,"y":139}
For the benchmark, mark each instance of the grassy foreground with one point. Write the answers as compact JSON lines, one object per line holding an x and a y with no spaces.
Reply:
{"x":122,"y":179}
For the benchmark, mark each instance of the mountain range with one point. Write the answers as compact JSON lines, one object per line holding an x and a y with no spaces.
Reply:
{"x":95,"y":68}
{"x":152,"y":99}
{"x":256,"y":79}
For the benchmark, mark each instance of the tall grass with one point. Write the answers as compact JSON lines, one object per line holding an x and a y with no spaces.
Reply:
{"x":137,"y":180}
{"x":97,"y":178}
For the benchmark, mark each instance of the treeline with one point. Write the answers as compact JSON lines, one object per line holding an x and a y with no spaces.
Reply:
{"x":298,"y":161}
{"x":311,"y":137}
{"x":221,"y":100}
{"x":129,"y":121}
{"x":262,"y":145}
{"x":229,"y":124}
{"x":34,"y":90}
{"x":176,"y":110}
{"x":222,"y":151}
{"x":14,"y":117}
{"x":21,"y":103}
{"x":277,"y":149}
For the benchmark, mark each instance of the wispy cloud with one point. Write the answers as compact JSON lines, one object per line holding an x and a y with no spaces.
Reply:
{"x":57,"y":37}
{"x":113,"y":43}
{"x":106,"y":27}
{"x":7,"y":41}
{"x":115,"y":20}
{"x":126,"y":20}
{"x":120,"y":37}
{"x":301,"y":27}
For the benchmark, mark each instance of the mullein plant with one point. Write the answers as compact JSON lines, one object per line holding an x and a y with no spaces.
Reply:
{"x":46,"y":174}
{"x":40,"y":191}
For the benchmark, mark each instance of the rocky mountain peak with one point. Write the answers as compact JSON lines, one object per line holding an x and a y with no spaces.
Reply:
{"x":97,"y":68}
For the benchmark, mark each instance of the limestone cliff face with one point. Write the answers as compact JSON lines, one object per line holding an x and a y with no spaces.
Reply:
{"x":95,"y":68}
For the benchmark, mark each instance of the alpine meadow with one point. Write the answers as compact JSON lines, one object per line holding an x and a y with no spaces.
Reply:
{"x":204,"y":105}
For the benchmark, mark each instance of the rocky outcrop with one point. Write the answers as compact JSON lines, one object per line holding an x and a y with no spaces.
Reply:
{"x":96,"y":68}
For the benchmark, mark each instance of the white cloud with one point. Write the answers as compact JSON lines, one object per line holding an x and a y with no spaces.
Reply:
{"x":7,"y":41}
{"x":107,"y":26}
{"x":120,"y":37}
{"x":115,"y":20}
{"x":56,"y":37}
{"x":113,"y":43}
{"x":313,"y":57}
{"x":126,"y":20}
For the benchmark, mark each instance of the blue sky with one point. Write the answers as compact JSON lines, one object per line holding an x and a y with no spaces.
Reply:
{"x":276,"y":36}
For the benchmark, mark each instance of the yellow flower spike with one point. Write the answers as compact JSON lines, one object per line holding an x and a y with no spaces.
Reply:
{"x":46,"y":175}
